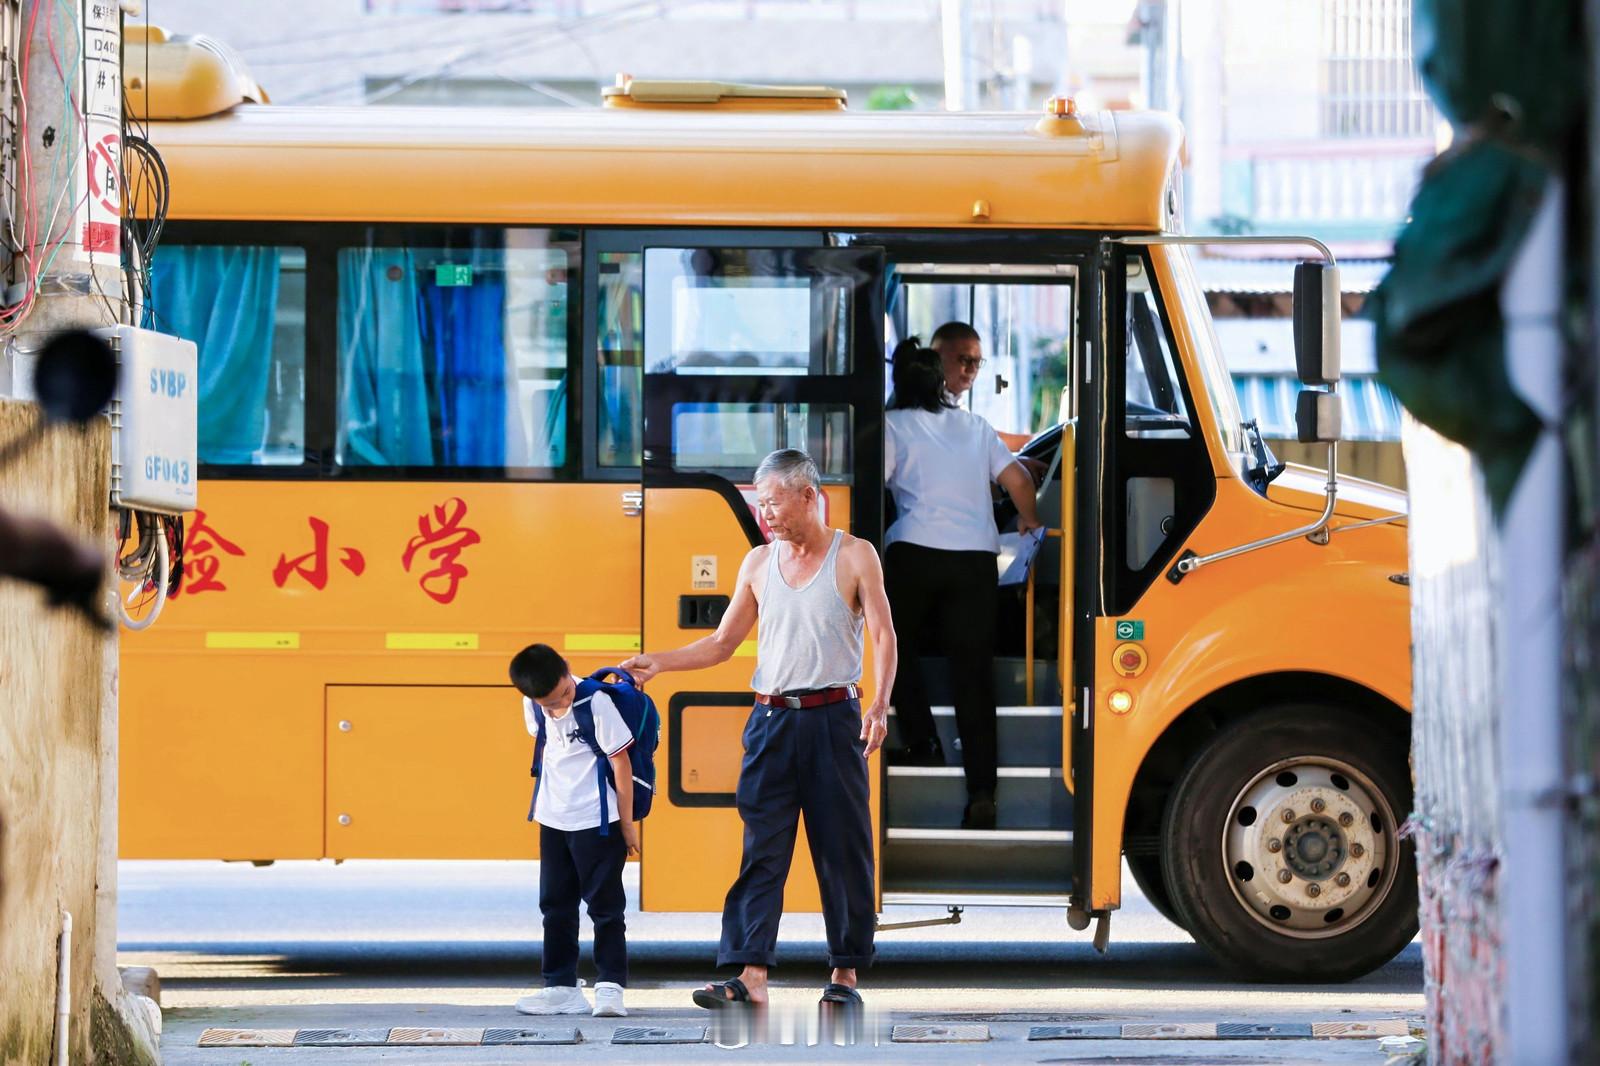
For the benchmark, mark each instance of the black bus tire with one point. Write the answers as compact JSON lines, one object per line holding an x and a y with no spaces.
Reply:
{"x":1247,"y":899}
{"x":1148,"y":875}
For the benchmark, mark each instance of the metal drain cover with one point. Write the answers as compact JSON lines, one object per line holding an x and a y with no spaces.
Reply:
{"x":557,"y":1035}
{"x":633,"y":1034}
{"x":1105,"y":1031}
{"x":939,"y":1034}
{"x":340,"y":1037}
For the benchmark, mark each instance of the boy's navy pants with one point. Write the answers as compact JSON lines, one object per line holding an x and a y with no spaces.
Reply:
{"x":575,"y":865}
{"x":808,"y":761}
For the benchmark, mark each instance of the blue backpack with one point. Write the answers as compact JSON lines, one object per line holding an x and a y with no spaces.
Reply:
{"x":638,"y":713}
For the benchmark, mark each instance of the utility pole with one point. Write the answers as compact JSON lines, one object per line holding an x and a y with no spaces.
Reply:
{"x":61,"y":149}
{"x":960,"y":77}
{"x":70,"y":269}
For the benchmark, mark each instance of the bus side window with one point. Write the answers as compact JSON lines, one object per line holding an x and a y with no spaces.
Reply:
{"x":619,"y":342}
{"x":454,"y":356}
{"x":245,"y":309}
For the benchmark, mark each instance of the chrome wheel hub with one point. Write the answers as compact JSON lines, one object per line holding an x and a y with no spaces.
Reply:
{"x":1309,"y":847}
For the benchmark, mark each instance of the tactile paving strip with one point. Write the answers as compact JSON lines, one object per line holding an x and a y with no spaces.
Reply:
{"x":1357,"y":1030}
{"x":954,"y":1032}
{"x":247,"y":1037}
{"x":436,"y":1037}
{"x":1170,"y":1031}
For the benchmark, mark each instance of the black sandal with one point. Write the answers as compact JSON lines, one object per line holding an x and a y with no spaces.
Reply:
{"x":712,"y":997}
{"x":840,"y":996}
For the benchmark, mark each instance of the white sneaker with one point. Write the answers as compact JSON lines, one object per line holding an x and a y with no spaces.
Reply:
{"x":608,"y":1000}
{"x":561,"y":999}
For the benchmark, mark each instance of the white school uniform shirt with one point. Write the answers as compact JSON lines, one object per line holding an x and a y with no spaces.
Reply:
{"x":568,"y":797}
{"x":938,"y":466}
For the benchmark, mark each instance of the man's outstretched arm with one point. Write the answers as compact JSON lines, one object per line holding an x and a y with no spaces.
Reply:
{"x":737,"y":621}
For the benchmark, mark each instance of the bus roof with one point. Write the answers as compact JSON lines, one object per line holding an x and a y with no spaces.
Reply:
{"x":635,"y":167}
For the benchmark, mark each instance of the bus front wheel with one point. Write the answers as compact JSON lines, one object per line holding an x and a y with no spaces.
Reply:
{"x":1283,"y":851}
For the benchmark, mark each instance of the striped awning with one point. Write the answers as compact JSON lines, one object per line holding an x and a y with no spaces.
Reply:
{"x":1370,"y":411}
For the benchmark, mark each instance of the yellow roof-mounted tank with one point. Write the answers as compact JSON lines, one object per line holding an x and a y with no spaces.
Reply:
{"x":182,"y":76}
{"x":721,"y":95}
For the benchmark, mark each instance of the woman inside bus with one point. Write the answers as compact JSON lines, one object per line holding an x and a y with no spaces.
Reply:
{"x":939,"y":564}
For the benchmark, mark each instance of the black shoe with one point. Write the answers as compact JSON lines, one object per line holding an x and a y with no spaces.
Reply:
{"x":980,"y":812}
{"x":927,"y":753}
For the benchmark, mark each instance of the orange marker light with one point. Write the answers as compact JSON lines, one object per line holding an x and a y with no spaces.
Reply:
{"x":1061,"y":106}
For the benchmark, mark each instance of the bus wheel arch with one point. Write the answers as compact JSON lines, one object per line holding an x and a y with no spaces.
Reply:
{"x":1341,"y":705}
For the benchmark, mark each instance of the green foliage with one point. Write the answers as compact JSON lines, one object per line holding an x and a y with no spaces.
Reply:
{"x":891,"y":98}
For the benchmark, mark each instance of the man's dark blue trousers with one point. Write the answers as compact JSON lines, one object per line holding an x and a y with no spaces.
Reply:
{"x":806,"y":761}
{"x":582,"y":865}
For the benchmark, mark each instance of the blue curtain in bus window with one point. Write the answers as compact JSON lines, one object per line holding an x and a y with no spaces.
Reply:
{"x":224,"y":300}
{"x":384,"y":417}
{"x":463,"y":332}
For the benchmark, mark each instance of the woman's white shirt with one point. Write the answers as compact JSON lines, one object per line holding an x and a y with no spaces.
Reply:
{"x":938,"y":466}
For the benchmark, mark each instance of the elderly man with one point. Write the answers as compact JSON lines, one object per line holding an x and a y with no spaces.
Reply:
{"x":807,"y":741}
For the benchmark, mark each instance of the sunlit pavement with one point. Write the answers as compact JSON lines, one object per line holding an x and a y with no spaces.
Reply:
{"x":299,"y":946}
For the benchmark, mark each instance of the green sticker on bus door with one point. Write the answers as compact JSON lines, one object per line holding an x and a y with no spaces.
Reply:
{"x":452,"y":275}
{"x":1129,"y":630}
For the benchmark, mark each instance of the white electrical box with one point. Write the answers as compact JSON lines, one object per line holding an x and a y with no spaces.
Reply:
{"x":154,"y":417}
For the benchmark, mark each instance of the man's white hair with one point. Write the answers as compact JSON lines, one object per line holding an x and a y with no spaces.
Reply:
{"x":793,"y":469}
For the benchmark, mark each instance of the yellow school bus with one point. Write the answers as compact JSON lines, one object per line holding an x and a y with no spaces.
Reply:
{"x":476,"y":378}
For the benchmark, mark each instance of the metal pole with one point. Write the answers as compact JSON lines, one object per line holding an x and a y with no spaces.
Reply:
{"x":1533,"y":786}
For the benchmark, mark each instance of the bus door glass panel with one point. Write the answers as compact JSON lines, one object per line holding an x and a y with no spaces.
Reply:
{"x":1027,"y":329}
{"x":1164,"y":479}
{"x":743,"y":352}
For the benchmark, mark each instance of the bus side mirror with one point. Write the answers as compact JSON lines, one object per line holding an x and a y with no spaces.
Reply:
{"x":1317,"y":416}
{"x":1316,"y":323}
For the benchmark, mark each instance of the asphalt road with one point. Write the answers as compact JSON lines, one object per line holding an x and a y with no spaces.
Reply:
{"x":452,"y":944}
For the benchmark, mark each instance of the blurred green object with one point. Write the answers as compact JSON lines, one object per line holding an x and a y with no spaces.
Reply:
{"x":1510,"y":78}
{"x":891,"y":98}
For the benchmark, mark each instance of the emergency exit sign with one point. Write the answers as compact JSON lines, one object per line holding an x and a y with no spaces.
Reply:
{"x":452,"y":275}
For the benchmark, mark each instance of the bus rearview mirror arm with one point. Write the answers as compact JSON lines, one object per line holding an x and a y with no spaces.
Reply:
{"x":1317,"y":362}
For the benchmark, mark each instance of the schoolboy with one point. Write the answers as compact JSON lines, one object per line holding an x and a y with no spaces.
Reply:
{"x":577,"y":859}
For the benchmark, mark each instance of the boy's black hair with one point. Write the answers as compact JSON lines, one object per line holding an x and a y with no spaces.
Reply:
{"x":537,"y":669}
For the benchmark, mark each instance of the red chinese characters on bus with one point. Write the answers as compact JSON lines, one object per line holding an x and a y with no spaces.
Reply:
{"x":445,"y":538}
{"x":313,"y":565}
{"x":200,"y":566}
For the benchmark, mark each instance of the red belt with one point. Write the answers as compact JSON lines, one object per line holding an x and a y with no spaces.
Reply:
{"x":820,"y":698}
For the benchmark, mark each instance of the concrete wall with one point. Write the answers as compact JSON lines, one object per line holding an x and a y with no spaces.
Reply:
{"x":1455,"y":579}
{"x":57,"y":775}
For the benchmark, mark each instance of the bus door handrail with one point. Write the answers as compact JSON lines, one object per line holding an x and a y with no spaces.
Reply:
{"x":1061,"y":629}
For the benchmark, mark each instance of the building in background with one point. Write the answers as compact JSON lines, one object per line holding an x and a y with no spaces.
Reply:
{"x":561,"y":53}
{"x":1301,"y":118}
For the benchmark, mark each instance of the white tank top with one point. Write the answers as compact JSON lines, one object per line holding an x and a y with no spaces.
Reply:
{"x":809,"y":638}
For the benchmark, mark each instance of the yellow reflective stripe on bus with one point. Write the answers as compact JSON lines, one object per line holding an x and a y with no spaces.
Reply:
{"x":747,"y":650}
{"x":252,"y":640}
{"x":431,"y":641}
{"x":601,"y":641}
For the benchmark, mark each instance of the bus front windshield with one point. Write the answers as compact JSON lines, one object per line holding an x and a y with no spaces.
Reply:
{"x":1208,"y":354}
